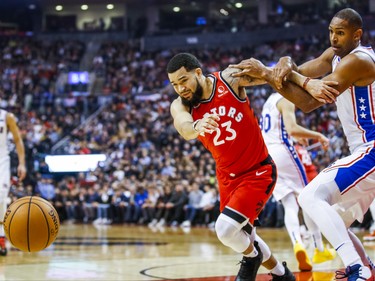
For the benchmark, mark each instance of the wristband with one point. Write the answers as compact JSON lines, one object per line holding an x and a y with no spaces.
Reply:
{"x":195,"y":124}
{"x":305,"y":83}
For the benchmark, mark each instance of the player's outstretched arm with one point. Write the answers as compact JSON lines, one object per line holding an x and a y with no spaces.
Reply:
{"x":297,"y":95}
{"x":186,"y":126}
{"x":287,"y":110}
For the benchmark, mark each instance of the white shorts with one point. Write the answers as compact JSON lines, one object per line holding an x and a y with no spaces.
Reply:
{"x":354,"y":177}
{"x":291,"y":175}
{"x":5,"y":175}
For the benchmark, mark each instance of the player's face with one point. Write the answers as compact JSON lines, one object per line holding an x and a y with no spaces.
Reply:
{"x":342,"y":37}
{"x":187,"y":86}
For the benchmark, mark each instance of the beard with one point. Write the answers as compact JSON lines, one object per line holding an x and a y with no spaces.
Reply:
{"x":195,"y":98}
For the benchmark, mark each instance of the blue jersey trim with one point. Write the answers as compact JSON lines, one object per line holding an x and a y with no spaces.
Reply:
{"x":293,"y":152}
{"x":347,"y":176}
{"x":364,"y":111}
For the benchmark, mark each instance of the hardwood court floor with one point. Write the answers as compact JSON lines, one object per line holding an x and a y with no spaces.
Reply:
{"x":119,"y":252}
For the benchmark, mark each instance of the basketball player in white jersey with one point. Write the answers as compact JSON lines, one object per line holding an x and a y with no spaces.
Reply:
{"x":8,"y":123}
{"x":278,"y":124}
{"x":342,"y":192}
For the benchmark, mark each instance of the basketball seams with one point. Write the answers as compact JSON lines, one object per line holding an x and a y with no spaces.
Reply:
{"x":35,"y":198}
{"x":46,"y":219}
{"x":28,"y":224}
{"x":10,"y":221}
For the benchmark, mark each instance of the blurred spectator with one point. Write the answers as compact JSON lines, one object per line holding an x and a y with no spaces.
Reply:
{"x":45,"y":188}
{"x":195,"y":197}
{"x":103,"y":200}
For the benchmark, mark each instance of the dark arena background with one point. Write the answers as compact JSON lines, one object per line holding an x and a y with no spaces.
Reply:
{"x":87,"y":83}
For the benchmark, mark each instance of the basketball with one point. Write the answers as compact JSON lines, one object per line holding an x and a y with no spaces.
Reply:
{"x":31,"y":224}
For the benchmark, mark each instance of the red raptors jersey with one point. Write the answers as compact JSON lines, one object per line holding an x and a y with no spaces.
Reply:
{"x":237,"y":145}
{"x":310,"y":168}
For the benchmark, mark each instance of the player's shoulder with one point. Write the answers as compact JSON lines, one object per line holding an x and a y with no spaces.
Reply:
{"x":227,"y":74}
{"x":177,"y":106}
{"x":229,"y":71}
{"x":364,"y":58}
{"x":360,"y":55}
{"x":328,"y":55}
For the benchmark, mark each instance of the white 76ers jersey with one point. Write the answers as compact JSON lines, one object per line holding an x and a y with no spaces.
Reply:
{"x":271,"y":122}
{"x":291,"y":173}
{"x":356,"y":109}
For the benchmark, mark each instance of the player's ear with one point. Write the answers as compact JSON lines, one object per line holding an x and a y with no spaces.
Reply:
{"x":198,"y":71}
{"x":358,"y":34}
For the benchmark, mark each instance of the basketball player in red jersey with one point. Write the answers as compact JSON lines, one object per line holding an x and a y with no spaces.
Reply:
{"x":215,"y":109}
{"x":304,"y":155}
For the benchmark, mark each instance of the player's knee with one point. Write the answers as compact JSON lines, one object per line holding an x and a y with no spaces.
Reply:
{"x":225,"y":231}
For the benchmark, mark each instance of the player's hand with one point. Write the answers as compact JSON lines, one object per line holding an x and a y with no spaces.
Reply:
{"x":251,"y":67}
{"x":324,"y":141}
{"x":21,"y":172}
{"x":207,"y":124}
{"x":280,"y":71}
{"x":322,"y":90}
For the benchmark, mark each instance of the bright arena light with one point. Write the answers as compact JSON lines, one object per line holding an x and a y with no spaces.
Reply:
{"x":84,"y":7}
{"x":176,"y":9}
{"x":110,"y":7}
{"x":238,"y":5}
{"x":58,"y":8}
{"x":224,"y":12}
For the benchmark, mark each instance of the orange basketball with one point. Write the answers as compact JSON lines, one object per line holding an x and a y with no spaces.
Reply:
{"x":31,"y":224}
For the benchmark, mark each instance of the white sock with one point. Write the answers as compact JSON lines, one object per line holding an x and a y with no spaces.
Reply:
{"x":278,"y":270}
{"x":345,"y":251}
{"x":291,"y":219}
{"x":253,"y":254}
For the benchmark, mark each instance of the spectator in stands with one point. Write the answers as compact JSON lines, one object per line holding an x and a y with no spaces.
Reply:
{"x":206,"y":205}
{"x":173,"y":214}
{"x":89,"y":198}
{"x":103,"y":206}
{"x":45,"y":188}
{"x":148,"y":207}
{"x":140,"y":197}
{"x":195,"y":195}
{"x":121,"y":202}
{"x":160,"y":208}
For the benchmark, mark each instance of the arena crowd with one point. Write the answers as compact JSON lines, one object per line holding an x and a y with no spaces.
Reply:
{"x":151,"y":176}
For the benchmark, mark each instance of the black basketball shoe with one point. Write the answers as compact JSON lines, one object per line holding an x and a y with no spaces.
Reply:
{"x":249,"y":266}
{"x":288,"y":275}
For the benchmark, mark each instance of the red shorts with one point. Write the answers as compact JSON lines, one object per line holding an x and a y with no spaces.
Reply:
{"x":248,"y":192}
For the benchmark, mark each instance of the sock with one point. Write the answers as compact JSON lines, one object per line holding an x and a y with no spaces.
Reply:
{"x":318,"y":241}
{"x":278,"y":270}
{"x":345,"y":251}
{"x":253,"y":254}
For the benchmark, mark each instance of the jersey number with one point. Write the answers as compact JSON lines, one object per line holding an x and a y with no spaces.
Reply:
{"x":265,"y":123}
{"x":227,"y":126}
